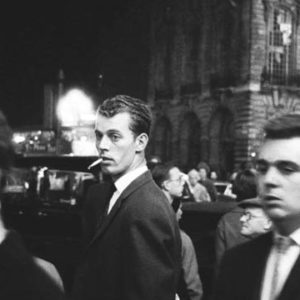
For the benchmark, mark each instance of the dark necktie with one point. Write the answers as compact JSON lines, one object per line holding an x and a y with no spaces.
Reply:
{"x":103,"y":214}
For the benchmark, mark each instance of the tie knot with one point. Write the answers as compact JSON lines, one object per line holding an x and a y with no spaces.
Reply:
{"x":112,"y":189}
{"x":282,"y":243}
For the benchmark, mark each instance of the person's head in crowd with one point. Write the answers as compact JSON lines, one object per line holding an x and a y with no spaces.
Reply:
{"x":122,"y":131}
{"x":245,"y":185}
{"x":254,"y":220}
{"x":204,"y":170}
{"x":6,"y":149}
{"x":214,"y":175}
{"x":278,"y":167}
{"x":170,"y":179}
{"x":153,"y":161}
{"x":193,"y":177}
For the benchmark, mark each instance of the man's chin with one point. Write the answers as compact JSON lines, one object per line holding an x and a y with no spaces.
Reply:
{"x":275,"y":213}
{"x":107,"y":170}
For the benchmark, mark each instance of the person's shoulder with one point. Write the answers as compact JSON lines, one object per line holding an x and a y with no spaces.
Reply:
{"x":186,"y":240}
{"x":251,"y":247}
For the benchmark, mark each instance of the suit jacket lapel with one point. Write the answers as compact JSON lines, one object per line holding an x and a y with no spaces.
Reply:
{"x":137,"y":183}
{"x":261,"y":256}
{"x":292,"y":283}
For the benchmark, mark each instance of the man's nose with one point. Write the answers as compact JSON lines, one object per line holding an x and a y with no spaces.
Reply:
{"x":103,"y":143}
{"x":271,"y":177}
{"x":243,"y":218}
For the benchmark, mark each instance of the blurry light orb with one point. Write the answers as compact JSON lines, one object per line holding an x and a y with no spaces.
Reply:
{"x":18,"y":138}
{"x":75,"y":108}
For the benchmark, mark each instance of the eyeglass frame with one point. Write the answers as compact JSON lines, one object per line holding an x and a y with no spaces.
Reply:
{"x":249,"y":216}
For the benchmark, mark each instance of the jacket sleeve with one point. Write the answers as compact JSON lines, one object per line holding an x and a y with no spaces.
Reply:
{"x":190,"y":269}
{"x":20,"y":277}
{"x":152,"y":256}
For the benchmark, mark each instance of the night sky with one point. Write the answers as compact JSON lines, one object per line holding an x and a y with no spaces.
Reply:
{"x":38,"y":39}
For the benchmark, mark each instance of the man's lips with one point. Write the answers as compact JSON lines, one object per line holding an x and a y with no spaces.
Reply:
{"x":271,"y":200}
{"x":105,"y":159}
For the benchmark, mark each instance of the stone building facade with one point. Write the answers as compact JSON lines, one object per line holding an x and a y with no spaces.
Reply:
{"x":218,"y":70}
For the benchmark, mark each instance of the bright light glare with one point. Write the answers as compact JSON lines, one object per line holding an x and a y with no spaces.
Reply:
{"x":75,"y":108}
{"x":18,"y":138}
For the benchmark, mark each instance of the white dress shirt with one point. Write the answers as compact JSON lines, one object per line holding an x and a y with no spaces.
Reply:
{"x":287,"y":262}
{"x":123,"y":182}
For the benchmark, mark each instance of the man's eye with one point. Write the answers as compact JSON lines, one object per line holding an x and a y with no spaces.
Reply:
{"x":286,"y":169}
{"x":98,"y":137}
{"x":115,"y":137}
{"x":261,"y":169}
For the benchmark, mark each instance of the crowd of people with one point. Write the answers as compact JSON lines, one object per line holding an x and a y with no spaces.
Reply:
{"x":134,"y":246}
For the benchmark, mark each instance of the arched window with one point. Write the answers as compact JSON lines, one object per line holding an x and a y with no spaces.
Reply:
{"x":221,"y":141}
{"x":162,"y":138}
{"x":280,"y":46}
{"x":190,"y":134}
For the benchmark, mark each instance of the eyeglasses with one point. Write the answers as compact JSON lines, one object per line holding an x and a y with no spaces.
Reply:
{"x":247,"y":216}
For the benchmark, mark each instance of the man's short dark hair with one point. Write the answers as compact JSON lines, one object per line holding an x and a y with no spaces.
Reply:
{"x":160,"y":173}
{"x":139,"y":112}
{"x":245,"y":185}
{"x":203,"y":165}
{"x":285,"y":126}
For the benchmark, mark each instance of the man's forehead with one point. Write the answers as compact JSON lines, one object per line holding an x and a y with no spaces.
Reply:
{"x":174,"y":171}
{"x":281,"y":149}
{"x":119,"y":121}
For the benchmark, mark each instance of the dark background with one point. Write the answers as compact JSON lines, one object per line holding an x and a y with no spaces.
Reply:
{"x":84,"y":39}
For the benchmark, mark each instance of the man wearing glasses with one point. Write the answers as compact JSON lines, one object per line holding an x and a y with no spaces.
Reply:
{"x":171,"y":180}
{"x":254,"y":221}
{"x":268,"y":267}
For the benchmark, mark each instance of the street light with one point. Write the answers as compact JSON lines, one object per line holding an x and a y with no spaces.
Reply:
{"x":75,"y":109}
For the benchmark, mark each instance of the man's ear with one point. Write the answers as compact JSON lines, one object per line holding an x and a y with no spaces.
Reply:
{"x":165,"y":185}
{"x":268,"y":224}
{"x":141,"y":142}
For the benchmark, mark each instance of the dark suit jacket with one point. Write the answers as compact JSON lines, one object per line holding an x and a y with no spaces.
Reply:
{"x":136,"y":252}
{"x":228,"y":233}
{"x":242,"y":269}
{"x":20,"y":276}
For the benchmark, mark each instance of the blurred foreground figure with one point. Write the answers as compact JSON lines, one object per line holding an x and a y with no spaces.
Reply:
{"x":268,"y":267}
{"x":169,"y":178}
{"x":228,"y":233}
{"x":21,"y":275}
{"x":134,"y":252}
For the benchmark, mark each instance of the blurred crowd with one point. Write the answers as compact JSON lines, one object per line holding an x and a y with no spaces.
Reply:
{"x":135,"y":248}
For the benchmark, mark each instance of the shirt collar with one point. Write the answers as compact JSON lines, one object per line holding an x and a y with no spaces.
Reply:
{"x":123,"y":182}
{"x":295,"y":236}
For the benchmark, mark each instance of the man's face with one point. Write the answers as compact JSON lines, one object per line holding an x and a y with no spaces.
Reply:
{"x":193,"y":177}
{"x":116,"y":144}
{"x":202,"y":173}
{"x":254,"y":222}
{"x":278,"y":169}
{"x":175,"y":183}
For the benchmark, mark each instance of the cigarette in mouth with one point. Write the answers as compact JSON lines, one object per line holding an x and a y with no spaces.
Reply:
{"x":95,"y":163}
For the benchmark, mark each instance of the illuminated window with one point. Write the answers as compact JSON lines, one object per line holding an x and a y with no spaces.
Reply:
{"x":280,"y":46}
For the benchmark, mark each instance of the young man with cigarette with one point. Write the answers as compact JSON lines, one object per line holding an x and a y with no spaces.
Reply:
{"x":135,"y":249}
